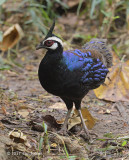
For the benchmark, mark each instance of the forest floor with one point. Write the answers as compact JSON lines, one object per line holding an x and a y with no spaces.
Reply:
{"x":25,"y":105}
{"x":30,"y":117}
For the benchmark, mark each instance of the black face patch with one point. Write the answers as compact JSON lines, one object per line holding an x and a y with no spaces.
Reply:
{"x":48,"y":43}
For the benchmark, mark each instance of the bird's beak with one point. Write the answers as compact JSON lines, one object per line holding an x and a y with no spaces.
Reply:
{"x":39,"y":46}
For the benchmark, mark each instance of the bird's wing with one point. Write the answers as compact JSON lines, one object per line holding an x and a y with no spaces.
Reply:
{"x":87,"y":64}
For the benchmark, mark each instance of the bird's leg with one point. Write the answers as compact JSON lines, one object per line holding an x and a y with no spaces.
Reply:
{"x":84,"y":125}
{"x":64,"y":127}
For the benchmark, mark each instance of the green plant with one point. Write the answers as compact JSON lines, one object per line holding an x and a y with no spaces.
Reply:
{"x":44,"y":142}
{"x":41,"y":13}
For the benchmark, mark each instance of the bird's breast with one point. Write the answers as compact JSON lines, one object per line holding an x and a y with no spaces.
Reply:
{"x":59,"y":80}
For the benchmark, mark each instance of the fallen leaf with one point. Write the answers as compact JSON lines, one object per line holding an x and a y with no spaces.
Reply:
{"x":4,"y":110}
{"x":18,"y":136}
{"x":12,"y":73}
{"x":60,"y":121}
{"x":1,"y":125}
{"x":88,"y":118}
{"x":117,"y":87}
{"x":72,"y":3}
{"x":11,"y":37}
{"x":29,"y":67}
{"x":73,"y":121}
{"x":50,"y":121}
{"x":101,"y":112}
{"x":54,"y":145}
{"x":23,"y":112}
{"x":108,"y":111}
{"x":58,"y":105}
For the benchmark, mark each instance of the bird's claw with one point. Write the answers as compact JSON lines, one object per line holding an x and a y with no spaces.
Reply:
{"x":63,"y":132}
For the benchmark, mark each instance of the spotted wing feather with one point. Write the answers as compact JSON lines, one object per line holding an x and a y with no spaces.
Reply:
{"x":88,"y":66}
{"x":99,"y":49}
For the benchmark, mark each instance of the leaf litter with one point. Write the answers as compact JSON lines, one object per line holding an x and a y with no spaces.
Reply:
{"x":51,"y":110}
{"x":116,"y":86}
{"x":27,"y":107}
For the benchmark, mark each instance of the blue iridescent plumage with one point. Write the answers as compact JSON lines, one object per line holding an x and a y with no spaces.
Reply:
{"x":93,"y":71}
{"x":76,"y":59}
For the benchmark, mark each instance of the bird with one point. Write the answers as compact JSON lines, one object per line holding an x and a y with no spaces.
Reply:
{"x":71,"y":74}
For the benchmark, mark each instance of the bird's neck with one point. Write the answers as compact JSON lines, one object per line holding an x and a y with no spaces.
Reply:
{"x":56,"y":54}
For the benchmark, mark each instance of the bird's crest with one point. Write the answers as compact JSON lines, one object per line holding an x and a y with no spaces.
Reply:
{"x":50,"y":34}
{"x":51,"y":41}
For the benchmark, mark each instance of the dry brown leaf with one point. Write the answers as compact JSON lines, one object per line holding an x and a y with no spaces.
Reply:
{"x":88,"y":118}
{"x":73,"y":121}
{"x":101,"y":112}
{"x":29,"y":67}
{"x":4,"y":110}
{"x":18,"y":136}
{"x":108,"y":111}
{"x":60,"y":121}
{"x":11,"y":37}
{"x":72,"y":3}
{"x":12,"y":73}
{"x":58,"y":105}
{"x":2,"y":125}
{"x":117,"y":87}
{"x":54,"y":145}
{"x":23,"y":112}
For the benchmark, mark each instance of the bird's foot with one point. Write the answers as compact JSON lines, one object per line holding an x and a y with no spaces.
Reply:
{"x":84,"y":135}
{"x":63,"y":131}
{"x":89,"y":137}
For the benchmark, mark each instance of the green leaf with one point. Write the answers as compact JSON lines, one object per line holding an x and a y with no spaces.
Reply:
{"x":107,"y":14}
{"x":93,"y":5}
{"x":79,"y":7}
{"x":116,"y":17}
{"x":40,"y":144}
{"x":124,"y":143}
{"x":45,"y":127}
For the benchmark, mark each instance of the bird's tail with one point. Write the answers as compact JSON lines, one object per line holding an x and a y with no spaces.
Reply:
{"x":104,"y":52}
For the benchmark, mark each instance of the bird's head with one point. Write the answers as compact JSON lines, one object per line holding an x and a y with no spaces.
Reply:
{"x":50,"y":42}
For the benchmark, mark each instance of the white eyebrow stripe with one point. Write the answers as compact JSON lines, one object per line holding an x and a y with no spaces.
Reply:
{"x":54,"y":46}
{"x":55,"y":39}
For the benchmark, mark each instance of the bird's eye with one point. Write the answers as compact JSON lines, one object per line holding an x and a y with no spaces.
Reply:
{"x":48,"y":43}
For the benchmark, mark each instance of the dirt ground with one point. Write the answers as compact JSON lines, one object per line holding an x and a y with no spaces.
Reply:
{"x":20,"y":89}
